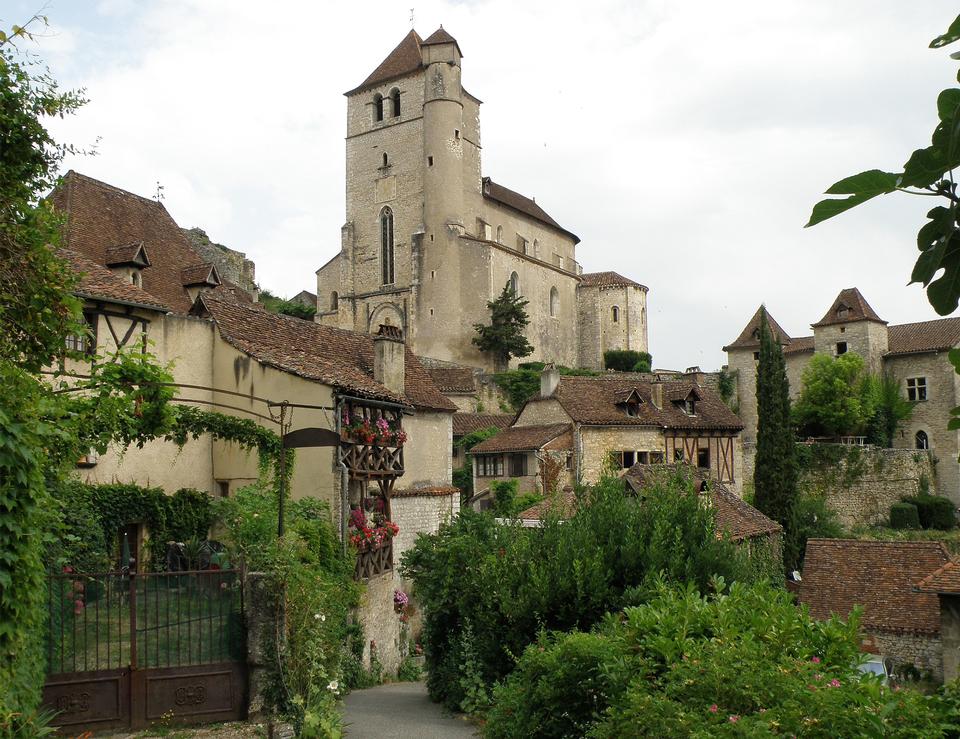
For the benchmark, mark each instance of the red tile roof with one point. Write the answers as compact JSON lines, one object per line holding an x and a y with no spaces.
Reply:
{"x":925,"y":336}
{"x":467,"y":423}
{"x":522,"y":439}
{"x":607,"y":279}
{"x":440,"y":36}
{"x":200,"y":274}
{"x":100,"y":216}
{"x":849,"y":306}
{"x":881,"y":576}
{"x":599,"y":401}
{"x":523,"y":204}
{"x":127,"y":254}
{"x":799,"y":345}
{"x":425,"y":491}
{"x":944,"y":579}
{"x":453,"y":379}
{"x":98,"y":282}
{"x":749,"y":338}
{"x":343,"y":359}
{"x":562,"y":504}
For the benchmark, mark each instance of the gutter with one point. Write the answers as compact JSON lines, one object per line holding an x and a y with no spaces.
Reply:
{"x":129,"y":303}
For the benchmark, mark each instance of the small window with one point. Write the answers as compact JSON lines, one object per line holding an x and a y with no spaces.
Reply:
{"x":554,"y":301}
{"x":841,"y":348}
{"x":922,"y":440}
{"x":656,"y":457}
{"x":703,"y":458}
{"x":490,"y":465}
{"x":136,"y":279}
{"x":456,"y":133}
{"x":84,"y":343}
{"x":499,"y":234}
{"x":632,"y":408}
{"x":395,"y":100}
{"x":842,"y":311}
{"x":917,"y":388}
{"x":377,"y":107}
{"x":515,"y":284}
{"x":643,"y":457}
{"x":223,"y":488}
{"x":756,"y":356}
{"x":334,"y":301}
{"x":678,"y":455}
{"x":628,"y":459}
{"x":521,"y":244}
{"x":386,"y":163}
{"x":689,"y":407}
{"x":455,"y":450}
{"x":429,"y":161}
{"x":569,"y":460}
{"x":518,"y":465}
{"x":615,"y":313}
{"x":536,"y":248}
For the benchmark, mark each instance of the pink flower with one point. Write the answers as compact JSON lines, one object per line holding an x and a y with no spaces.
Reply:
{"x":816,"y":660}
{"x":734,"y":718}
{"x":818,"y":676}
{"x":713,"y":708}
{"x":835,"y":683}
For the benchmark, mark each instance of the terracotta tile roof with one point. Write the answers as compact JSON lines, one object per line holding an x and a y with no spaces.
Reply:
{"x":440,"y":36}
{"x":127,"y":254}
{"x":521,"y":438}
{"x":200,"y":274}
{"x":343,"y":359}
{"x":100,"y":216}
{"x":607,"y":279}
{"x":750,"y":336}
{"x":523,"y":204}
{"x":799,"y":345}
{"x":839,"y":574}
{"x":425,"y":491}
{"x":403,"y":60}
{"x":945,"y":579}
{"x":734,"y":516}
{"x":98,"y":282}
{"x":849,"y":306}
{"x":563,"y":504}
{"x":926,"y":336}
{"x":598,"y":401}
{"x":467,"y":423}
{"x":453,"y":379}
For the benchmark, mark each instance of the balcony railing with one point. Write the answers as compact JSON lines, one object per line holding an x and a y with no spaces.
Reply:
{"x":373,"y":561}
{"x":371,"y":461}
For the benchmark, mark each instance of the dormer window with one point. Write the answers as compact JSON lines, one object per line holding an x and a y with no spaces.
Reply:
{"x":631,"y":404}
{"x":842,"y":311}
{"x":690,"y":407}
{"x":756,"y":334}
{"x":136,"y":278}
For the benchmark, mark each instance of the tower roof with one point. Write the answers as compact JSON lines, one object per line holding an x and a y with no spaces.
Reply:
{"x":750,"y":336}
{"x":607,"y":279}
{"x":405,"y":59}
{"x":849,"y":306}
{"x":440,"y":36}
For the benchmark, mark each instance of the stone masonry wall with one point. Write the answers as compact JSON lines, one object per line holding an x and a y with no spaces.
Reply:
{"x":925,"y":652}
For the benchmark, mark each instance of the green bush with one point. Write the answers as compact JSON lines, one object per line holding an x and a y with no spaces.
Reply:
{"x":904,"y":516}
{"x":746,"y":662}
{"x":523,"y":383}
{"x":813,"y":519}
{"x":627,"y":360}
{"x":503,"y":583}
{"x":935,"y":512}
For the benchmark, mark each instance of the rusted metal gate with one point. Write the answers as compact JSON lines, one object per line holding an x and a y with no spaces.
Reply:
{"x":129,"y":650}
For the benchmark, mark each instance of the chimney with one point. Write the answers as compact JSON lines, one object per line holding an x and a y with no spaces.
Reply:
{"x":388,"y":358}
{"x":656,"y":394}
{"x":549,"y":379}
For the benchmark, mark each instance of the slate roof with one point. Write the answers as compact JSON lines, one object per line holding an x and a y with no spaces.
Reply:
{"x":857,"y":307}
{"x":597,"y":400}
{"x":523,"y":204}
{"x":734,"y":516}
{"x":98,"y":282}
{"x":521,"y":439}
{"x":945,"y":579}
{"x":453,"y":379}
{"x":925,"y":336}
{"x":607,"y":279}
{"x":343,"y":359}
{"x":881,"y":576}
{"x":747,"y":340}
{"x":100,"y":216}
{"x":467,"y":423}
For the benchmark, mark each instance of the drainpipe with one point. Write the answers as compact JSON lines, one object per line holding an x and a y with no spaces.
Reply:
{"x":344,"y":478}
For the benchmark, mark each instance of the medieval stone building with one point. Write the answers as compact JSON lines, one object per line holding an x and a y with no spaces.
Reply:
{"x":428,"y":240}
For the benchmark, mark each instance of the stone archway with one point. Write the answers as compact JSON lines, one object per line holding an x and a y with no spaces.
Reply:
{"x":390,"y":314}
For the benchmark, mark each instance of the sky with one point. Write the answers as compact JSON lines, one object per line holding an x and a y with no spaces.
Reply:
{"x":684,"y":142}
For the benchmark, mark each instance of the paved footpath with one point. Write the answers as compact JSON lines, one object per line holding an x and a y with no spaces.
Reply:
{"x":400,"y":710}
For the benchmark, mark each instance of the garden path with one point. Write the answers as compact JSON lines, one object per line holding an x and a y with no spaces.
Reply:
{"x":400,"y":710}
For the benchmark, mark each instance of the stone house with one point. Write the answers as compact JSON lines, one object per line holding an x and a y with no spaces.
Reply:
{"x":428,"y":239}
{"x":580,"y":426}
{"x":944,"y":582}
{"x":915,"y":354}
{"x":145,"y":288}
{"x":467,"y":423}
{"x":899,"y":621}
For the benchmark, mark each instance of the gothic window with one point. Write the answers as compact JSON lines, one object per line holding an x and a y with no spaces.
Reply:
{"x":536,"y":248}
{"x":386,"y":247}
{"x":554,"y":301}
{"x":334,"y":300}
{"x":499,"y":234}
{"x":922,"y":440}
{"x":917,"y":388}
{"x":615,"y":314}
{"x":395,"y":99}
{"x":378,"y":107}
{"x":515,"y":284}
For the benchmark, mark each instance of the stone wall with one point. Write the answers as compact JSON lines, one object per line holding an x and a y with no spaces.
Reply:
{"x":950,"y":635}
{"x":923,"y":651}
{"x":232,"y":265}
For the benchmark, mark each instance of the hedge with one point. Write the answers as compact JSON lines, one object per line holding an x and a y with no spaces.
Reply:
{"x":935,"y":512}
{"x":904,"y":516}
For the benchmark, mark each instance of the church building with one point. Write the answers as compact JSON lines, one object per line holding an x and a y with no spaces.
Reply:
{"x":429,"y":240}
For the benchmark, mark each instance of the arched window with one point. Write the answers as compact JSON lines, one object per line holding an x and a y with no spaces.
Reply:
{"x":922,"y":440}
{"x":499,"y":234}
{"x":386,"y":246}
{"x":136,"y":279}
{"x":514,"y":283}
{"x":378,"y":107}
{"x":334,"y":301}
{"x":615,"y":312}
{"x":536,"y":249}
{"x":395,"y":97}
{"x":554,"y":301}
{"x":386,"y":162}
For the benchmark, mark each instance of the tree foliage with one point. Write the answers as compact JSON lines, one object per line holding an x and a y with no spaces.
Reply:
{"x":775,"y":468}
{"x":627,"y":360}
{"x":928,"y":171}
{"x":285,"y":307}
{"x":503,"y":337}
{"x":832,"y":400}
{"x":523,"y":383}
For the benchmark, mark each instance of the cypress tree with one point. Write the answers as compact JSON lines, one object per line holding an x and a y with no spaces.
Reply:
{"x":775,"y":469}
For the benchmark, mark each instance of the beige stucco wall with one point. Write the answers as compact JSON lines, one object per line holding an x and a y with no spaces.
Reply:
{"x":426,"y":455}
{"x":542,"y":412}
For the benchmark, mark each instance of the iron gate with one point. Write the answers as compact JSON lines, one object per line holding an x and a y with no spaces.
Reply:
{"x":128,"y":650}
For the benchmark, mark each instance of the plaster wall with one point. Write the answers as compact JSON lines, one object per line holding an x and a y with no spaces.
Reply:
{"x":426,"y":455}
{"x":542,"y":412}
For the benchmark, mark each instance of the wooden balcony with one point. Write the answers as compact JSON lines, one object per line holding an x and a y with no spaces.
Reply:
{"x":374,"y":561}
{"x":371,"y":461}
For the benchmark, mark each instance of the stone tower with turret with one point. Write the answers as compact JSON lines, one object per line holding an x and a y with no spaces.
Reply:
{"x":428,"y":240}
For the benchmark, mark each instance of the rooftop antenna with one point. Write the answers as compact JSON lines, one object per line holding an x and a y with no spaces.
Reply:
{"x":159,"y":196}
{"x":412,"y":17}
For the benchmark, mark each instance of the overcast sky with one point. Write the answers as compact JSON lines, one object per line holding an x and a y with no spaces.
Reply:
{"x":685,"y":142}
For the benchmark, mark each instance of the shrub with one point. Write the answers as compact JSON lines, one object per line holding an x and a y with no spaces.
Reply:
{"x":741,"y":663}
{"x":935,"y":512}
{"x":904,"y":516}
{"x":813,"y":519}
{"x":627,"y":360}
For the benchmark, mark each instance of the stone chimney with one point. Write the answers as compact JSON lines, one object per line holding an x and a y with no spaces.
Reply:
{"x":549,"y":379}
{"x":388,"y":358}
{"x":656,"y":394}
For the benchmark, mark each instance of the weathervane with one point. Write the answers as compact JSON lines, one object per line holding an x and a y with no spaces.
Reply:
{"x":412,"y":17}
{"x":159,"y":196}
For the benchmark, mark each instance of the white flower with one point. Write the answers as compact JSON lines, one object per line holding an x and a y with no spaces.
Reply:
{"x":333,"y":685}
